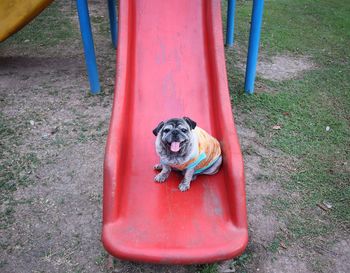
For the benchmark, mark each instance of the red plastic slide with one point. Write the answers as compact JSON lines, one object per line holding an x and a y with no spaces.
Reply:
{"x":171,"y":63}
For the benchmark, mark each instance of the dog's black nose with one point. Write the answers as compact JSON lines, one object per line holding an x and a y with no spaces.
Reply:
{"x":175,"y":133}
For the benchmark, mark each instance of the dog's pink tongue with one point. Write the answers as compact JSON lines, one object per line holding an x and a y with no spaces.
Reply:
{"x":175,"y":146}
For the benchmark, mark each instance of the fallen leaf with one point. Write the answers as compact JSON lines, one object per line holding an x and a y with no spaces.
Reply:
{"x":322,"y":206}
{"x":327,"y":204}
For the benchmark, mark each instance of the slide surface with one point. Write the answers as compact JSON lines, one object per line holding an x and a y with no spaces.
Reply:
{"x":15,"y":14}
{"x":171,"y":63}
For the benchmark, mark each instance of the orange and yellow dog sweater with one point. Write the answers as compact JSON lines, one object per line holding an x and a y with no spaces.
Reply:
{"x":209,"y":152}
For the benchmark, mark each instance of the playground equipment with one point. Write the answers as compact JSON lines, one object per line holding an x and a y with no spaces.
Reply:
{"x":253,"y":47}
{"x":170,"y":63}
{"x":254,"y":38}
{"x":15,"y":14}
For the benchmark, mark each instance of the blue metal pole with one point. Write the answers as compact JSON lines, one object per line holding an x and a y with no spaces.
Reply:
{"x":253,"y":49}
{"x":86,"y":34}
{"x":230,"y":22}
{"x":113,"y":22}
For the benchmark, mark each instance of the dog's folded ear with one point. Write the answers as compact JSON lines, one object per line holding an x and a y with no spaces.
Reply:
{"x":159,"y":127}
{"x":190,"y":122}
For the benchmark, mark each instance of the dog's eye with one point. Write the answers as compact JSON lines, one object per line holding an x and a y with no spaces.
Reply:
{"x":166,"y":130}
{"x":184,"y":130}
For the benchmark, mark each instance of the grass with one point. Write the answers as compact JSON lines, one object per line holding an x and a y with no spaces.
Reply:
{"x":304,"y":107}
{"x":313,"y":110}
{"x":208,"y":268}
{"x":15,"y":167}
{"x":102,"y":25}
{"x":54,"y":28}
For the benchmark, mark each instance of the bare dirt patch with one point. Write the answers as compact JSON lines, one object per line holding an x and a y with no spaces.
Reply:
{"x":57,"y":217}
{"x":283,"y":67}
{"x":341,"y":250}
{"x":52,"y":224}
{"x":262,"y":184}
{"x":276,"y":68}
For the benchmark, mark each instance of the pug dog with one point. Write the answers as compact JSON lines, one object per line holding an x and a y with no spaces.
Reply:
{"x":183,"y":146}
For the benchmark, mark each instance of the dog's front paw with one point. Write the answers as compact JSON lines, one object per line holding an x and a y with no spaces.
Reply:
{"x":158,"y":167}
{"x":184,"y":186}
{"x":160,"y":178}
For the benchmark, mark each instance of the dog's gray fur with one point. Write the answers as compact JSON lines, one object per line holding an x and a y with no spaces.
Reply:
{"x":178,"y":130}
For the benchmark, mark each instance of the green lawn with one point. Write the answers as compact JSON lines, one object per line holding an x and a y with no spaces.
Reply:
{"x":313,"y":110}
{"x":54,"y":28}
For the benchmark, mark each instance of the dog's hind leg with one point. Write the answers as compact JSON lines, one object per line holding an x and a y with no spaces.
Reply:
{"x":194,"y":177}
{"x":186,"y":182}
{"x":215,"y":168}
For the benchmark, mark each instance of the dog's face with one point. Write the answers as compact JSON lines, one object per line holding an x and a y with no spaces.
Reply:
{"x":174,"y":136}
